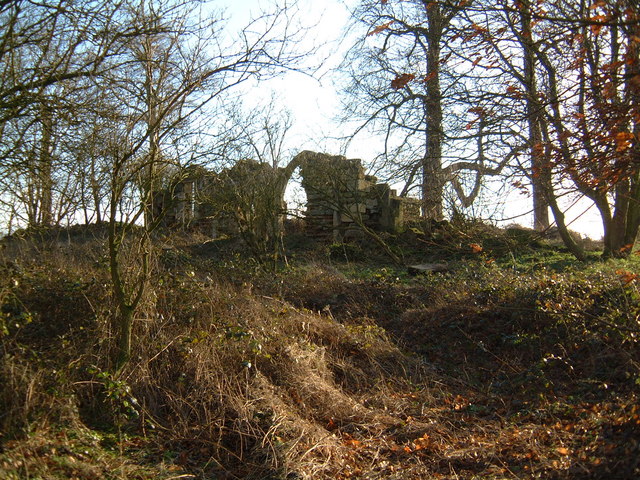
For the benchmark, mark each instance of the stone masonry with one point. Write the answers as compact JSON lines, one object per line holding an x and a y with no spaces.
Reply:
{"x":341,"y":198}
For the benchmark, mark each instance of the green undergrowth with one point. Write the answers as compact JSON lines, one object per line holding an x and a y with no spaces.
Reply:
{"x":516,"y":362}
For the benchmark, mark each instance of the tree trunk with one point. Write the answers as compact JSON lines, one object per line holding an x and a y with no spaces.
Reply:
{"x":126,"y":303}
{"x":432,"y":174}
{"x":124,"y":329}
{"x":550,"y":196}
{"x":539,"y":164}
{"x":567,"y":239}
{"x":45,"y":168}
{"x":621,"y":228}
{"x":632,"y":87}
{"x":621,"y":233}
{"x":96,"y":194}
{"x":432,"y":190}
{"x":633,"y":213}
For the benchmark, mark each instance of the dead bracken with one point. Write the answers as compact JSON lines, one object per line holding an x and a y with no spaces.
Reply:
{"x":325,"y":369}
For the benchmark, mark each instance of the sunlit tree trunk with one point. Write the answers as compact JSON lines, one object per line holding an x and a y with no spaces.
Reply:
{"x":540,"y":167}
{"x":625,"y":222}
{"x":45,"y":167}
{"x":432,"y":174}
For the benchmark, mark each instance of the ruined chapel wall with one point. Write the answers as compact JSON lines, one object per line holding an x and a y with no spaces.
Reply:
{"x":340,"y":196}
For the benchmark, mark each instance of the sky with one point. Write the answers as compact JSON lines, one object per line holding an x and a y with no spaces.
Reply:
{"x":314,"y":101}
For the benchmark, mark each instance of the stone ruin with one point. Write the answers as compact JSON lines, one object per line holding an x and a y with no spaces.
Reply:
{"x":341,"y":198}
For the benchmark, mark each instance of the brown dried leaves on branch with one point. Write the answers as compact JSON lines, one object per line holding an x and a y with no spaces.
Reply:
{"x":380,"y":28}
{"x":402,"y":80}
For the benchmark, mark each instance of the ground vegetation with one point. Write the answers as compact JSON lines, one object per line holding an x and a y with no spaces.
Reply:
{"x":517,"y":362}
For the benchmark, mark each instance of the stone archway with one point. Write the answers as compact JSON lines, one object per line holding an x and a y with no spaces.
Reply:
{"x":341,"y":198}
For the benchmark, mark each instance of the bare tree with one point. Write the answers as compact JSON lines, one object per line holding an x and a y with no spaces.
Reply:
{"x":98,"y":102}
{"x":184,"y":68}
{"x":47,"y":51}
{"x":408,"y":85}
{"x":249,"y":193}
{"x":261,"y":134}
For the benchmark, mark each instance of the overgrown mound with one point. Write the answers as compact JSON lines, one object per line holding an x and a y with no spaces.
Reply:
{"x":542,"y":366}
{"x":463,"y":237}
{"x":222,"y":380}
{"x":497,"y":368}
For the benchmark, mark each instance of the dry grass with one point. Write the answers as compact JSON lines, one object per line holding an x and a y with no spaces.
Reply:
{"x":483,"y":373}
{"x":227,"y":381}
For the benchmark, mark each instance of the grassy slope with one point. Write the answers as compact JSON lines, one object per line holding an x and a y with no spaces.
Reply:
{"x":515,"y":364}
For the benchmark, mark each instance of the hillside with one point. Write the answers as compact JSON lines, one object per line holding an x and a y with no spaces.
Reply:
{"x":515,"y":362}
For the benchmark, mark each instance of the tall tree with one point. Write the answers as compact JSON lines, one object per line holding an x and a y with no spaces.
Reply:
{"x":524,"y":41}
{"x":580,"y":82}
{"x":48,"y":50}
{"x":540,"y":170}
{"x":400,"y":72}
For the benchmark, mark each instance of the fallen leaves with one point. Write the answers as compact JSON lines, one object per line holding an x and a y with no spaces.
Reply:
{"x":627,"y":277}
